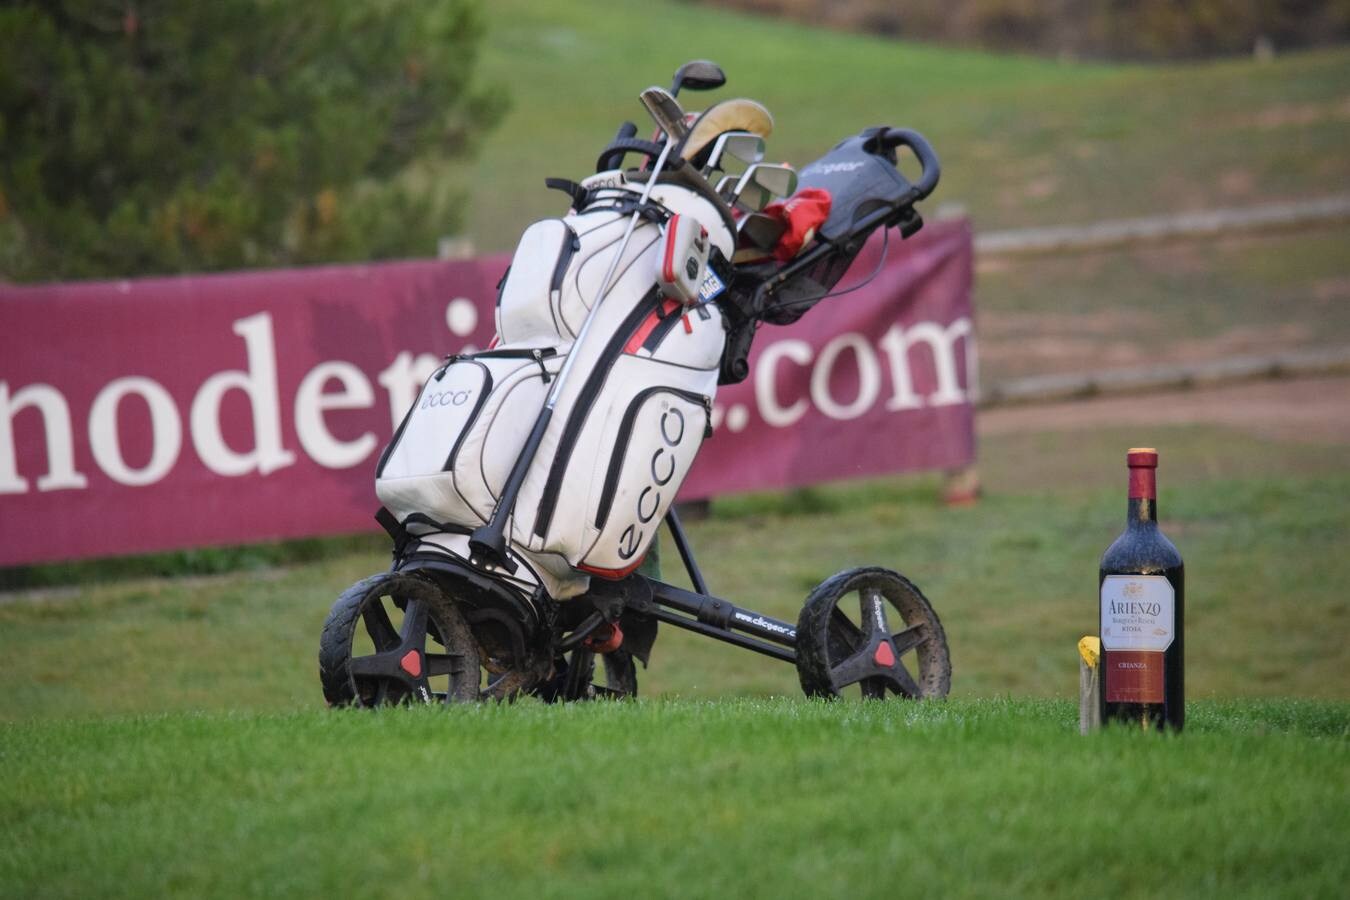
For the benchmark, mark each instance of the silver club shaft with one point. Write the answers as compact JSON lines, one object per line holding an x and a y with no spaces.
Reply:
{"x":556,"y":391}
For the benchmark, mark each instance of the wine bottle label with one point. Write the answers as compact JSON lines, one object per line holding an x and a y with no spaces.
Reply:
{"x":1138,"y":622}
{"x":1134,"y":676}
{"x":1138,"y":612}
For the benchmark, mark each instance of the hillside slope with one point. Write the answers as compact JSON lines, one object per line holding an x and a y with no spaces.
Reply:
{"x":1023,"y":140}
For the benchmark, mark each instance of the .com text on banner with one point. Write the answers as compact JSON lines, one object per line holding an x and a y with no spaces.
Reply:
{"x":163,"y":413}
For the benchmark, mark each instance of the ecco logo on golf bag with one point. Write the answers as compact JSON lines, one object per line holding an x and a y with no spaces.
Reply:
{"x":662,"y":469}
{"x":445,"y":398}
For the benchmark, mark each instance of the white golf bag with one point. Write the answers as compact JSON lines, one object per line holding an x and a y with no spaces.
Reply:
{"x":628,"y":422}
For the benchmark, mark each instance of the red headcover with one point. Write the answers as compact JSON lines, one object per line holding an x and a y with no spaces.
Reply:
{"x":802,"y":213}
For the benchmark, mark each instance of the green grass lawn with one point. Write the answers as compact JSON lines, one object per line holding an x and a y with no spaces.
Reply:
{"x":977,"y":798}
{"x":1262,"y":525}
{"x":165,"y":736}
{"x":1023,"y":140}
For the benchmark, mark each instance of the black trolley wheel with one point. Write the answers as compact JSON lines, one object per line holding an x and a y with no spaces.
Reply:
{"x":397,"y":638}
{"x":845,"y":637}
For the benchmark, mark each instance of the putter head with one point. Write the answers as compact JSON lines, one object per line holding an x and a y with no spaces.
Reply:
{"x":737,"y":146}
{"x":761,"y":183}
{"x":665,"y":111}
{"x":698,"y":75}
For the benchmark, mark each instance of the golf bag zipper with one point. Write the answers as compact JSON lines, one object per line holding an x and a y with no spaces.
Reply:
{"x":473,"y":416}
{"x":484,"y":392}
{"x":505,"y":353}
{"x":538,"y":354}
{"x":571,"y":243}
{"x":585,"y":399}
{"x":393,"y":442}
{"x":669,"y":315}
{"x":626,"y":432}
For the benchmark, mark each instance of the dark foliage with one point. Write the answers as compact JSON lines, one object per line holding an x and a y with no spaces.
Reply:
{"x":155,"y":136}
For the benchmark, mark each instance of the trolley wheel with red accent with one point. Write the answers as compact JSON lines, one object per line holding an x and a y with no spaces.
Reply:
{"x":871,"y":628}
{"x":397,"y":638}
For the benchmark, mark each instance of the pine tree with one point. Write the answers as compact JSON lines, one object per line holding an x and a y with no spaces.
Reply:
{"x":158,"y":136}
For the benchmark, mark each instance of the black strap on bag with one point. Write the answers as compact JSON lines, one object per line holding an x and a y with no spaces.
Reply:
{"x":394,"y":528}
{"x":402,"y":537}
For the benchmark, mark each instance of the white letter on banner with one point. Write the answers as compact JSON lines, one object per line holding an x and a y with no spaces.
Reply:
{"x":260,"y":384}
{"x":48,"y":401}
{"x":311,"y":403}
{"x":869,"y":377}
{"x":942,"y":342}
{"x":404,"y":379}
{"x":766,"y":396}
{"x":166,"y":431}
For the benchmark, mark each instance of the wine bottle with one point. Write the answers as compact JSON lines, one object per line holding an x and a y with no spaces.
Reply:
{"x":1141,"y":583}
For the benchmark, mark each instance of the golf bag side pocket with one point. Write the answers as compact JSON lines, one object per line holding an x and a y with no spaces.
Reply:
{"x":658,"y":436}
{"x":556,"y":273}
{"x":452,"y":454}
{"x":618,"y":448}
{"x":527,"y":304}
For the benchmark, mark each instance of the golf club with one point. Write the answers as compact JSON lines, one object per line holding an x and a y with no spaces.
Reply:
{"x":759,"y":231}
{"x":666,"y":112}
{"x":487,"y":543}
{"x":698,"y":75}
{"x":742,"y":146}
{"x":761,"y":183}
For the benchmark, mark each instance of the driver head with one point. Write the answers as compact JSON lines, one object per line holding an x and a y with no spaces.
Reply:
{"x":698,"y":75}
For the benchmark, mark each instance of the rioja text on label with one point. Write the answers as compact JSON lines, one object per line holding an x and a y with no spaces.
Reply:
{"x":1138,"y":612}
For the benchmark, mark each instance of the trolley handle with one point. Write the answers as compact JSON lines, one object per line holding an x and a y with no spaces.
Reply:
{"x":932,"y":169}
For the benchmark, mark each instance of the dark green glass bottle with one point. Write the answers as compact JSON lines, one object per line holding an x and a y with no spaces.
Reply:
{"x":1141,"y":584}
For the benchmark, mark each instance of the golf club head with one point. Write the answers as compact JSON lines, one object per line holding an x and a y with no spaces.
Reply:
{"x":761,"y":183}
{"x":665,"y":112}
{"x":758,"y":231}
{"x":741,"y":146}
{"x":779,"y":180}
{"x":698,"y":75}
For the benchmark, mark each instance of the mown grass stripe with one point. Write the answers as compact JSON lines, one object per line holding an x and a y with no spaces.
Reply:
{"x":679,"y":798}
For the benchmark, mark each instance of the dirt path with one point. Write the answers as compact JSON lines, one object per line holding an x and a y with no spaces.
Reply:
{"x":1304,"y":410}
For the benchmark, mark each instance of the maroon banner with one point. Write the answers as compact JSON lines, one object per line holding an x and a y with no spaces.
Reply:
{"x":872,"y":381}
{"x":161,"y":413}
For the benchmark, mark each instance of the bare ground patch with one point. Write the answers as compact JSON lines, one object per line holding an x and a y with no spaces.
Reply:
{"x":1306,"y":410}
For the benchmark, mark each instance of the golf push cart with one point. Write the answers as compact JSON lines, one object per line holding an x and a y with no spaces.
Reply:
{"x":524,"y":487}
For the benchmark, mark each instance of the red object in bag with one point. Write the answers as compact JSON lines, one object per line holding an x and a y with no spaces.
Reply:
{"x":802,"y":213}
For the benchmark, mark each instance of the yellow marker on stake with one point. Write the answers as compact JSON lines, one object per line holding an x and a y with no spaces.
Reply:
{"x":1090,"y":649}
{"x":1089,"y":684}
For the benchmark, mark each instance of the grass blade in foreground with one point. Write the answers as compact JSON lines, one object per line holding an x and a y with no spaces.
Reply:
{"x":769,"y":798}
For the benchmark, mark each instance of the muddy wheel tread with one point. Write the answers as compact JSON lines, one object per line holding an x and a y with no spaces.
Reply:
{"x":813,"y":658}
{"x":335,"y":641}
{"x":446,"y":625}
